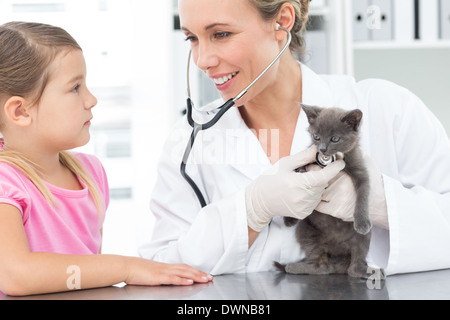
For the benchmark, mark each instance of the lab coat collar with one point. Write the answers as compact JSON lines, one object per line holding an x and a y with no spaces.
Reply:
{"x":328,"y":91}
{"x":315,"y":90}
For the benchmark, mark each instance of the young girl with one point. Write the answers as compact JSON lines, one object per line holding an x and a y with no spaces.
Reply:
{"x":53,"y":202}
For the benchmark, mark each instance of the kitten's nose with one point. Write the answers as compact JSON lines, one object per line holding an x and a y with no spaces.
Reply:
{"x":323,"y":148}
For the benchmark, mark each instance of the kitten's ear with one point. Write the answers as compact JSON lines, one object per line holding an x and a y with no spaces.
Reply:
{"x":311,"y":112}
{"x":353,"y":119}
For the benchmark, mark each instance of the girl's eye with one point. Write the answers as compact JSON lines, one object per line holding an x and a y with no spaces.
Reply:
{"x":335,"y":139}
{"x":316,"y":137}
{"x":75,"y":89}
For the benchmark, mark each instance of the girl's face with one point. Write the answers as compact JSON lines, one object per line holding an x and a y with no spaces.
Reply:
{"x":231,"y":43}
{"x":63,"y":115}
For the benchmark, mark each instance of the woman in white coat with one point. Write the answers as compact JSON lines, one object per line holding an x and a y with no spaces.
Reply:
{"x":408,"y":154}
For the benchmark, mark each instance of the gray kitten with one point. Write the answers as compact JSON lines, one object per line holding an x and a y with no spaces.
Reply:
{"x":330,"y":244}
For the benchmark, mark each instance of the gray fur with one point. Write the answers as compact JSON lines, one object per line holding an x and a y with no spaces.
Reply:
{"x":330,"y":244}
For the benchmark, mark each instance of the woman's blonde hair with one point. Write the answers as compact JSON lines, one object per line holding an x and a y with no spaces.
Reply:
{"x":268,"y":9}
{"x":26,"y":52}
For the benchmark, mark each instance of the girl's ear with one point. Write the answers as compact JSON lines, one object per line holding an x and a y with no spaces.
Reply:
{"x":16,"y":112}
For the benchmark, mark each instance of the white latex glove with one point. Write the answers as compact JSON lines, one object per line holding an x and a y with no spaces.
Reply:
{"x":281,"y":191}
{"x":338,"y":199}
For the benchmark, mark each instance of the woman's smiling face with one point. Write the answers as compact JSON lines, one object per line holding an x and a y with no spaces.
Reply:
{"x":231,"y":43}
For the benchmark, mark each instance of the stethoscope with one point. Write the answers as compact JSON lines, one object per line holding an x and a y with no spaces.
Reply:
{"x":222,"y":110}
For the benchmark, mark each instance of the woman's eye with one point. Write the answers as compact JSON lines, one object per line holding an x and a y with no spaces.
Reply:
{"x":190,"y":38}
{"x":316,"y":137}
{"x":335,"y":139}
{"x":222,"y":35}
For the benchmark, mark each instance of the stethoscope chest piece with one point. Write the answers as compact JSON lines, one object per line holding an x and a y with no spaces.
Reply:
{"x":323,"y":160}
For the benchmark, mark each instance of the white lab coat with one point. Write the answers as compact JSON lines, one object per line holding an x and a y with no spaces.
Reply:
{"x":405,"y":139}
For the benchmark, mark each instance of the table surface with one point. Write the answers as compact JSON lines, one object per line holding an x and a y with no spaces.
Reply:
{"x":277,"y":286}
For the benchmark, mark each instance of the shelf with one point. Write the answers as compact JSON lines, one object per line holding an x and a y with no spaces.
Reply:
{"x":319,"y":11}
{"x":394,"y":45}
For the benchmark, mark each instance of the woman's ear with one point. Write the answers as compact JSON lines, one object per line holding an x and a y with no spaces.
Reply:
{"x":16,"y":111}
{"x":286,"y":18}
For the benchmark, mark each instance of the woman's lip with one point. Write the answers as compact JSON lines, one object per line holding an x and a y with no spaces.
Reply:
{"x":226,"y":85}
{"x":215,"y":76}
{"x":222,"y":78}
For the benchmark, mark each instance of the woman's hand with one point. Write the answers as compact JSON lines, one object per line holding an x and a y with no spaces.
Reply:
{"x":151,"y":273}
{"x":282,"y":191}
{"x":339,"y":198}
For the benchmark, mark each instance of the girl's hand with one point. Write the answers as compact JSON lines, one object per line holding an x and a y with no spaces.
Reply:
{"x":151,"y":273}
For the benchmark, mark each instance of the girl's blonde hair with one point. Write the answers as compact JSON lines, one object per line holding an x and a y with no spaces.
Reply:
{"x":26,"y":52}
{"x":268,"y":9}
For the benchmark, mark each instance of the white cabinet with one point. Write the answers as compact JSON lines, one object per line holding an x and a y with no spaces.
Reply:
{"x":416,"y":55}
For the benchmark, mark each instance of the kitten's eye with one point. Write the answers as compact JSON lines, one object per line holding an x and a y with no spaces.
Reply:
{"x":316,"y":137}
{"x":335,"y":139}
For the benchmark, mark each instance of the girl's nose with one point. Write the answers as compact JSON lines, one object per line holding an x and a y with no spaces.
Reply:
{"x":91,"y":101}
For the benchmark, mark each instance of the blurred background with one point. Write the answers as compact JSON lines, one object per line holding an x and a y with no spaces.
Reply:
{"x":136,"y":57}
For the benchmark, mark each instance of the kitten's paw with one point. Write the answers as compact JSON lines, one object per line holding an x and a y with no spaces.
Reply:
{"x":362,"y":226}
{"x":296,"y":268}
{"x":362,"y":271}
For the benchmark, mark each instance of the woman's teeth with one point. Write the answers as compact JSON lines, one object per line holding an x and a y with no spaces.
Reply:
{"x":224,"y":79}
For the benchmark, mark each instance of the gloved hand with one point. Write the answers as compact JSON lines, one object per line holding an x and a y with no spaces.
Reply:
{"x":281,"y":191}
{"x":338,"y":199}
